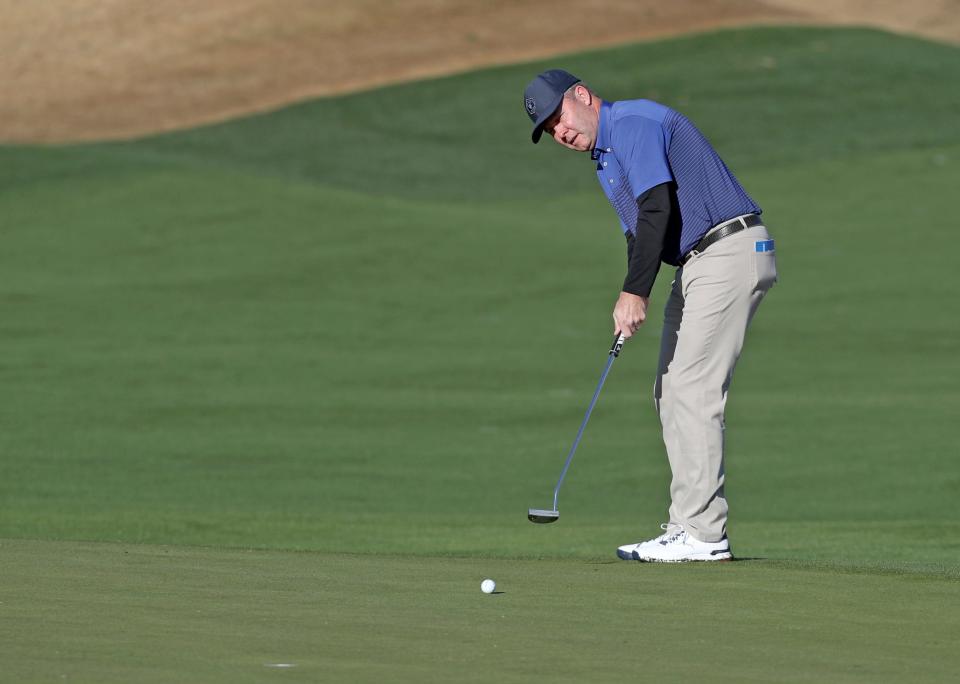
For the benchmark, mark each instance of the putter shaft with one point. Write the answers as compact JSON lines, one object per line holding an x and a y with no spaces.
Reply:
{"x":614,"y":353}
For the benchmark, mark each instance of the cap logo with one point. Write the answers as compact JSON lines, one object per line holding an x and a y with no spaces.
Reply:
{"x":531,"y":105}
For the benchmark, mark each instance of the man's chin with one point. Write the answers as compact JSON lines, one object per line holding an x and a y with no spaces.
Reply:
{"x":577,"y":146}
{"x":583,"y":144}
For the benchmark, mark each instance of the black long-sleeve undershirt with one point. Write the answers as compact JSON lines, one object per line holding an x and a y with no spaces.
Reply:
{"x":658,"y":227}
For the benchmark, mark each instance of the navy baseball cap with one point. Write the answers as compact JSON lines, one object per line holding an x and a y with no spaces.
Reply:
{"x":544,"y":95}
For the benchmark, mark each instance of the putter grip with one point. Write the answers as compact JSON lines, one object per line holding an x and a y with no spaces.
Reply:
{"x":617,"y":345}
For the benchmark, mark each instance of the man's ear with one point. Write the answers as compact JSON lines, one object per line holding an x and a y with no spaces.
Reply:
{"x":583,"y":94}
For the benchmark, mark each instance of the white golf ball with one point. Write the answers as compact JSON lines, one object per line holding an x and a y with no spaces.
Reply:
{"x":487,"y":586}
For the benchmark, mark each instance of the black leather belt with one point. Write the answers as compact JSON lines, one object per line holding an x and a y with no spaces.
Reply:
{"x":722,"y":231}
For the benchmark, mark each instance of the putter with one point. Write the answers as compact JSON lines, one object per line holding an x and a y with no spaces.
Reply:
{"x":541,"y":516}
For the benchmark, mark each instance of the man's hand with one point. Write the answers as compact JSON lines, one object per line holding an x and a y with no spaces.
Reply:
{"x":629,"y":314}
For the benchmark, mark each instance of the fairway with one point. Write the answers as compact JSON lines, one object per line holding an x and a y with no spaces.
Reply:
{"x":281,"y":390}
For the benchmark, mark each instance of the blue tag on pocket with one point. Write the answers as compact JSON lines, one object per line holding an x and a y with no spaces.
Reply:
{"x":764,"y":245}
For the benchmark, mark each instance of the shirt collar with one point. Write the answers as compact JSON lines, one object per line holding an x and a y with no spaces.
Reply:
{"x":604,"y":130}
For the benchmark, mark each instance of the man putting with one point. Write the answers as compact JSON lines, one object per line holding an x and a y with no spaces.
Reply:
{"x":677,"y":203}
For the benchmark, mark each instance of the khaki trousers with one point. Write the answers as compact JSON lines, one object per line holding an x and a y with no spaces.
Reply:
{"x":713,"y":298}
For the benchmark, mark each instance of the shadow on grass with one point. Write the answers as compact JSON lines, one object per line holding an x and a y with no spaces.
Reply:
{"x":736,"y":559}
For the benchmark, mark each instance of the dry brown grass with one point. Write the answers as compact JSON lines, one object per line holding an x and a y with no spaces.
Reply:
{"x":103,"y":69}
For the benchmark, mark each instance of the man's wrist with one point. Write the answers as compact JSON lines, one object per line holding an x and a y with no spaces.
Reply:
{"x":636,"y":293}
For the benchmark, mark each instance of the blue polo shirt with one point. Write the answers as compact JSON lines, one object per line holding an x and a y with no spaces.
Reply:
{"x":641,"y":144}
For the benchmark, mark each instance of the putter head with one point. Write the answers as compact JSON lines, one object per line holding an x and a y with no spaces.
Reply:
{"x":536,"y":515}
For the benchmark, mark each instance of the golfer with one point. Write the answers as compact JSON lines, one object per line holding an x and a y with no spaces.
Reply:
{"x":679,"y":204}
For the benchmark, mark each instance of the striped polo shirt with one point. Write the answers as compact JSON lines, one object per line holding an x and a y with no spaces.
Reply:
{"x":641,"y":144}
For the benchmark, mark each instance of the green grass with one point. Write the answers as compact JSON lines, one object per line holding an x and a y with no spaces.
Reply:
{"x":370,"y":325}
{"x":160,"y":614}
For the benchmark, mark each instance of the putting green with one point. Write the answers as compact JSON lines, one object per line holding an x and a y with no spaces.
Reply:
{"x":120,"y":613}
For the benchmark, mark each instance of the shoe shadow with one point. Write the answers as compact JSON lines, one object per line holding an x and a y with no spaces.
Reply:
{"x":735,"y":559}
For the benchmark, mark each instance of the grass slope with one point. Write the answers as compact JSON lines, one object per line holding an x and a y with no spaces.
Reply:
{"x":371,"y":325}
{"x":772,"y":97}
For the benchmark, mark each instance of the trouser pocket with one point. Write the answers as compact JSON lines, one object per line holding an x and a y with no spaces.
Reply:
{"x":764,"y":264}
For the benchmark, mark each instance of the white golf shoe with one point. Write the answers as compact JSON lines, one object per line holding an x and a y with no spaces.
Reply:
{"x":629,"y":551}
{"x":678,"y":546}
{"x":626,"y":551}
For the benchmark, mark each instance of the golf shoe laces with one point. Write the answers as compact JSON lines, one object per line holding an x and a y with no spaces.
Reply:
{"x":670,"y":537}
